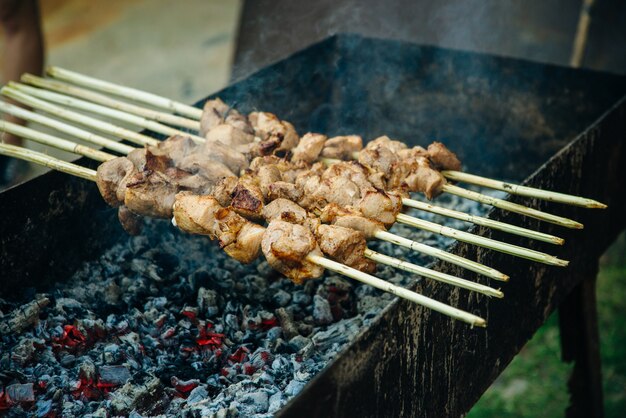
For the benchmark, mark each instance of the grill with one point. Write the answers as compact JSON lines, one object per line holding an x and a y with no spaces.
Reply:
{"x":552,"y":127}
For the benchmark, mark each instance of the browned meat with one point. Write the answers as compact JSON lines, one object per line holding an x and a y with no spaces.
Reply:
{"x":247,"y":197}
{"x":213,"y":113}
{"x":442,"y":157}
{"x":229,"y":135}
{"x":177,"y":147}
{"x":427,"y":180}
{"x":276,"y":136}
{"x":311,"y":190}
{"x":266,"y":176}
{"x":342,"y":147}
{"x":112,"y":177}
{"x":204,"y":215}
{"x":213,"y":171}
{"x":309,"y":148}
{"x":150,"y":193}
{"x":258,"y":162}
{"x":223,"y":190}
{"x":384,"y":141}
{"x":351,"y":170}
{"x":286,"y":247}
{"x":247,"y":246}
{"x":344,"y":245}
{"x":138,"y":157}
{"x":378,"y":158}
{"x":239,"y":121}
{"x":285,"y":210}
{"x":349,"y":217}
{"x":282,"y":189}
{"x":231,"y":158}
{"x":130,"y":222}
{"x":412,"y":153}
{"x":377,"y":205}
{"x":399,"y":172}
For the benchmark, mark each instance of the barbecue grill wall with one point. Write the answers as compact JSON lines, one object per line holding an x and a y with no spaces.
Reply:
{"x":558,"y":128}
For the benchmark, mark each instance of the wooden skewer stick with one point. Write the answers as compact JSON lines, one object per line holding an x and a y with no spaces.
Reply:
{"x":523,"y":190}
{"x":512,"y":207}
{"x":397,"y":290}
{"x":47,"y":161}
{"x":432,"y":274}
{"x":102,"y":111}
{"x":127,"y":92}
{"x":86,"y":136}
{"x":104,"y":100}
{"x":106,"y":127}
{"x":53,"y":141}
{"x":441,"y":254}
{"x":482,"y":241}
{"x":73,"y":169}
{"x":478,"y":220}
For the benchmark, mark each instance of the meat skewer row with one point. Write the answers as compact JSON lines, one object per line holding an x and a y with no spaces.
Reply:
{"x":432,"y":227}
{"x":119,"y":170}
{"x":277,"y":236}
{"x":408,"y":202}
{"x":196,"y":114}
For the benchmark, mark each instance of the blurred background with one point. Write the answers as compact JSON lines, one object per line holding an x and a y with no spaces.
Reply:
{"x":188,"y":49}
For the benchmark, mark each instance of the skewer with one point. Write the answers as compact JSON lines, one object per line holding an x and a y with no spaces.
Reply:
{"x":432,"y":274}
{"x":523,"y":190}
{"x":47,"y":161}
{"x":397,"y":290}
{"x":512,"y":207}
{"x":478,"y":220}
{"x":64,"y":127}
{"x":55,"y":142}
{"x":481,"y":241}
{"x":73,"y":169}
{"x":127,"y":92}
{"x":101,"y":99}
{"x":102,"y":110}
{"x":195,"y":113}
{"x":106,"y":127}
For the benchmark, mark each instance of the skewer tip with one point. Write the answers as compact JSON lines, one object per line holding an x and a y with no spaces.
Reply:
{"x":480,"y":323}
{"x":596,"y":205}
{"x":558,"y":241}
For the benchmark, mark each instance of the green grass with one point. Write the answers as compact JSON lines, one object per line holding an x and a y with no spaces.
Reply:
{"x":535,"y":383}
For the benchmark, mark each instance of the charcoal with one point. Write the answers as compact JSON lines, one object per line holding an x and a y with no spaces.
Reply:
{"x":198,"y":394}
{"x":294,"y":387}
{"x":20,"y":393}
{"x":321,"y":311}
{"x":276,"y":401}
{"x":24,"y":351}
{"x":257,"y":402}
{"x":289,"y":330}
{"x":114,"y":375}
{"x":281,"y":298}
{"x":23,"y":317}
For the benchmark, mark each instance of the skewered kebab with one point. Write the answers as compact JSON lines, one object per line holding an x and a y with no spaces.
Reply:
{"x":409,"y":202}
{"x":196,"y":114}
{"x":280,"y":136}
{"x":277,"y":240}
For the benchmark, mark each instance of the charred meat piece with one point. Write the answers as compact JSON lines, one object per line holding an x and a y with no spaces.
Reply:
{"x":442,"y":158}
{"x":342,"y":147}
{"x":309,"y":148}
{"x":282,"y":189}
{"x":112,"y":177}
{"x":131,"y":222}
{"x":344,"y":245}
{"x":138,"y":158}
{"x":286,"y":247}
{"x":276,"y":136}
{"x":350,"y":218}
{"x":223,"y":190}
{"x":150,"y":193}
{"x":247,"y":197}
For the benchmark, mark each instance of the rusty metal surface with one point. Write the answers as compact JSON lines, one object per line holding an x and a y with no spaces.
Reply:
{"x":505,"y":117}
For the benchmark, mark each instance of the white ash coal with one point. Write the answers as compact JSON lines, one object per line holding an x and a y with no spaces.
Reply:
{"x":165,"y":323}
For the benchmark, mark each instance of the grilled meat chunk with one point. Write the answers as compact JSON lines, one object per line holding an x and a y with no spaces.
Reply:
{"x":286,"y":247}
{"x":384,"y":141}
{"x":442,"y":157}
{"x":425,"y":179}
{"x":285,"y":210}
{"x":231,"y":158}
{"x":282,"y":189}
{"x":309,"y":148}
{"x":150,"y":193}
{"x":342,"y":147}
{"x":344,"y":245}
{"x":213,"y":114}
{"x":379,"y":206}
{"x":223,"y":190}
{"x":247,"y":197}
{"x":349,"y":217}
{"x":112,"y":177}
{"x":276,"y":136}
{"x":131,"y":222}
{"x":230,"y":135}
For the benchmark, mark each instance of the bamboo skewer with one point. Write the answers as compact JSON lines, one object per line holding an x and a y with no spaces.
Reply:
{"x":55,"y":142}
{"x":102,"y":111}
{"x":482,"y":241}
{"x":523,"y":190}
{"x":478,"y":220}
{"x":106,"y":127}
{"x":103,"y":100}
{"x":512,"y":207}
{"x":432,"y":274}
{"x":441,"y":254}
{"x":47,"y":161}
{"x":73,"y":169}
{"x":397,"y":290}
{"x":64,"y":127}
{"x":127,"y":92}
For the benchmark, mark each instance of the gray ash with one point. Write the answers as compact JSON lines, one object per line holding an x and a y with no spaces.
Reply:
{"x":165,"y":323}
